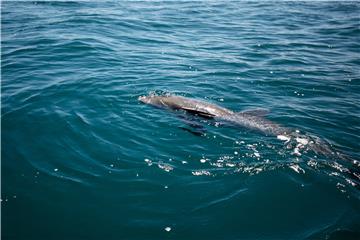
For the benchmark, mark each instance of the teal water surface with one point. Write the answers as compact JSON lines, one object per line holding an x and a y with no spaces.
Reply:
{"x":81,"y":158}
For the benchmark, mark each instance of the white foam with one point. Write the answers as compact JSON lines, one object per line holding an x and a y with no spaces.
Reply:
{"x":148,"y":161}
{"x":165,"y":167}
{"x":283,"y":137}
{"x":351,"y":182}
{"x":230,"y":164}
{"x":199,"y":173}
{"x":296,"y":151}
{"x":297,"y":169}
{"x":303,"y":141}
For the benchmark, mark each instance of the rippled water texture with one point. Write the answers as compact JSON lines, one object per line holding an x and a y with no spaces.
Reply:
{"x":83,"y":159}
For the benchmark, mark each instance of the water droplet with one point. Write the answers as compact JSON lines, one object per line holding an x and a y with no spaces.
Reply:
{"x":165,"y":167}
{"x":148,"y":161}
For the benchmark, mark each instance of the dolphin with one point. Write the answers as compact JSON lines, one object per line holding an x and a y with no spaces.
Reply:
{"x":250,"y":119}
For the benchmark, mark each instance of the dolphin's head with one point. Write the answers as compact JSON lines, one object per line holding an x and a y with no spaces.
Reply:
{"x":144,"y":99}
{"x":152,"y":100}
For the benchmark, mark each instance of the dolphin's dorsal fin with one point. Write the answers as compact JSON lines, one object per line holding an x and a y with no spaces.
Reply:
{"x":256,"y":112}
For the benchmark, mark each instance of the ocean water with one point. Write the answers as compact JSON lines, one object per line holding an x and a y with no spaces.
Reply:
{"x":81,"y":158}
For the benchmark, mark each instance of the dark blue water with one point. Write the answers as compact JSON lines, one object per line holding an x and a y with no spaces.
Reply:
{"x":83,"y":159}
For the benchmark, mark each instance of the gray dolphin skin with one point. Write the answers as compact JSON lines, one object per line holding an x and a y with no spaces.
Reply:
{"x":252,"y":119}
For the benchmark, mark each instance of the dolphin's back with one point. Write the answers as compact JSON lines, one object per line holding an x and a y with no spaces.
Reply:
{"x":195,"y":106}
{"x":258,"y":123}
{"x":248,"y":119}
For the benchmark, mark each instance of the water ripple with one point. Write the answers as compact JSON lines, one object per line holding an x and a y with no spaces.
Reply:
{"x":77,"y":145}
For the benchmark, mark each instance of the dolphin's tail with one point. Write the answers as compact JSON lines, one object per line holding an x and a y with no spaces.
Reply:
{"x":323,"y":148}
{"x":317,"y":145}
{"x":320,"y":146}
